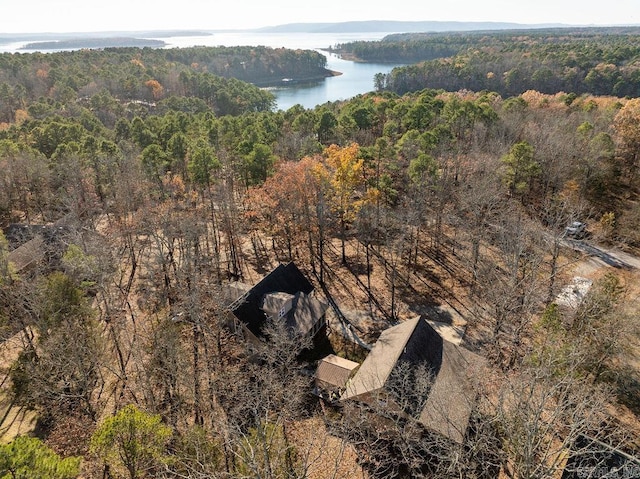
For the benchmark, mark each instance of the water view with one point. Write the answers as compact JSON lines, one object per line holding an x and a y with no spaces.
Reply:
{"x":356,"y":78}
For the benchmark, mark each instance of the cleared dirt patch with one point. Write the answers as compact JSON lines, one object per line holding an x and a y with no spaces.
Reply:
{"x":14,"y":420}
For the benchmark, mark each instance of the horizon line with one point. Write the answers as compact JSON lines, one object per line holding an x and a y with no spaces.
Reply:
{"x":269,"y":27}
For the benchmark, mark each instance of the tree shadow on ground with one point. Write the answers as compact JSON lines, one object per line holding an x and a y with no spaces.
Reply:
{"x":627,"y":387}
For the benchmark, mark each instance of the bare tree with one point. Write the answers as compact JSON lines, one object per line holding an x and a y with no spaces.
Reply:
{"x":60,"y":369}
{"x":393,"y":442}
{"x":511,"y":285}
{"x":541,"y":415}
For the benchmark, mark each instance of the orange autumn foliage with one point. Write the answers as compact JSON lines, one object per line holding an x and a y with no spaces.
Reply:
{"x":156,"y":88}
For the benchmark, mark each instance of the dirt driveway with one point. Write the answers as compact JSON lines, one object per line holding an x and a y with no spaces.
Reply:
{"x":599,"y":256}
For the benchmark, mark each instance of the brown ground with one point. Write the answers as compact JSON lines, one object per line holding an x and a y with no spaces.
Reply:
{"x":14,"y":420}
{"x":434,"y":288}
{"x":328,"y":456}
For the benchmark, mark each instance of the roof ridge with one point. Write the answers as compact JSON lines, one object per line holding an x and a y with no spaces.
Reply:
{"x":401,"y":350}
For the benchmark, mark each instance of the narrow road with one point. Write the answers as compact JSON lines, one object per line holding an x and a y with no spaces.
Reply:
{"x":607,"y":256}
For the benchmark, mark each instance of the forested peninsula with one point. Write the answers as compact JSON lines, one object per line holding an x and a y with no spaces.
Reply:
{"x":214,"y":76}
{"x":576,"y":61}
{"x":438,"y":278}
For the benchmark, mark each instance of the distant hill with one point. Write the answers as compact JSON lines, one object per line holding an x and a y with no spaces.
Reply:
{"x":43,"y":36}
{"x":397,"y":26}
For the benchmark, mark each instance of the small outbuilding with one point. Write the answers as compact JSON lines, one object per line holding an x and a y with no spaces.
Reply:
{"x":36,"y":245}
{"x":332,"y":375}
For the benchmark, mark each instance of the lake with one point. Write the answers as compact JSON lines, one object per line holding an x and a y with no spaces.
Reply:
{"x":356,"y":77}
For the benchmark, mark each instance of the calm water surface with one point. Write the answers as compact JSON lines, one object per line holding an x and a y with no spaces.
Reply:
{"x":356,"y":78}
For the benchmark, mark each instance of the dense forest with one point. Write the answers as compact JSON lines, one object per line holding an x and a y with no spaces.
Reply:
{"x":192,"y":79}
{"x":155,"y":179}
{"x":595,"y":61}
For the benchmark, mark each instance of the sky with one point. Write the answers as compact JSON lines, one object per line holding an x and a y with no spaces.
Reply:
{"x":36,"y":16}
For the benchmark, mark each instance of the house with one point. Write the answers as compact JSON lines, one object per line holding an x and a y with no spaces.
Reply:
{"x":32,"y":245}
{"x":28,"y":254}
{"x":332,"y":375}
{"x":413,"y":372}
{"x":283,"y":294}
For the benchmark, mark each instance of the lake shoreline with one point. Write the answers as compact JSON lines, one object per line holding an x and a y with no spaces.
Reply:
{"x":283,"y":82}
{"x":92,"y":43}
{"x":339,"y":79}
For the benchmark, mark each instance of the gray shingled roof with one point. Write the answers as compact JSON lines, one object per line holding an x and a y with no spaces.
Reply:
{"x":377,"y":367}
{"x":334,"y":371}
{"x":31,"y":252}
{"x":285,"y":278}
{"x":305,"y":313}
{"x":274,"y":302}
{"x":452,"y":396}
{"x":449,"y":402}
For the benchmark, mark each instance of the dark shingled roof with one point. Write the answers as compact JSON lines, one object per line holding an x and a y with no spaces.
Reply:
{"x":449,"y":403}
{"x":285,"y":278}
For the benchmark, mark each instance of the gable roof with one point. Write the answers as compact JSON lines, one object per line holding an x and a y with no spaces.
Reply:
{"x":274,"y":303}
{"x":27,"y":254}
{"x":334,"y":371}
{"x":450,"y":397}
{"x":413,"y":341}
{"x":383,"y":358}
{"x":33,"y":244}
{"x":305,"y":313}
{"x":285,"y":278}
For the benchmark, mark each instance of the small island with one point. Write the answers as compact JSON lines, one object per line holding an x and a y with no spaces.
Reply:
{"x":94,"y":43}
